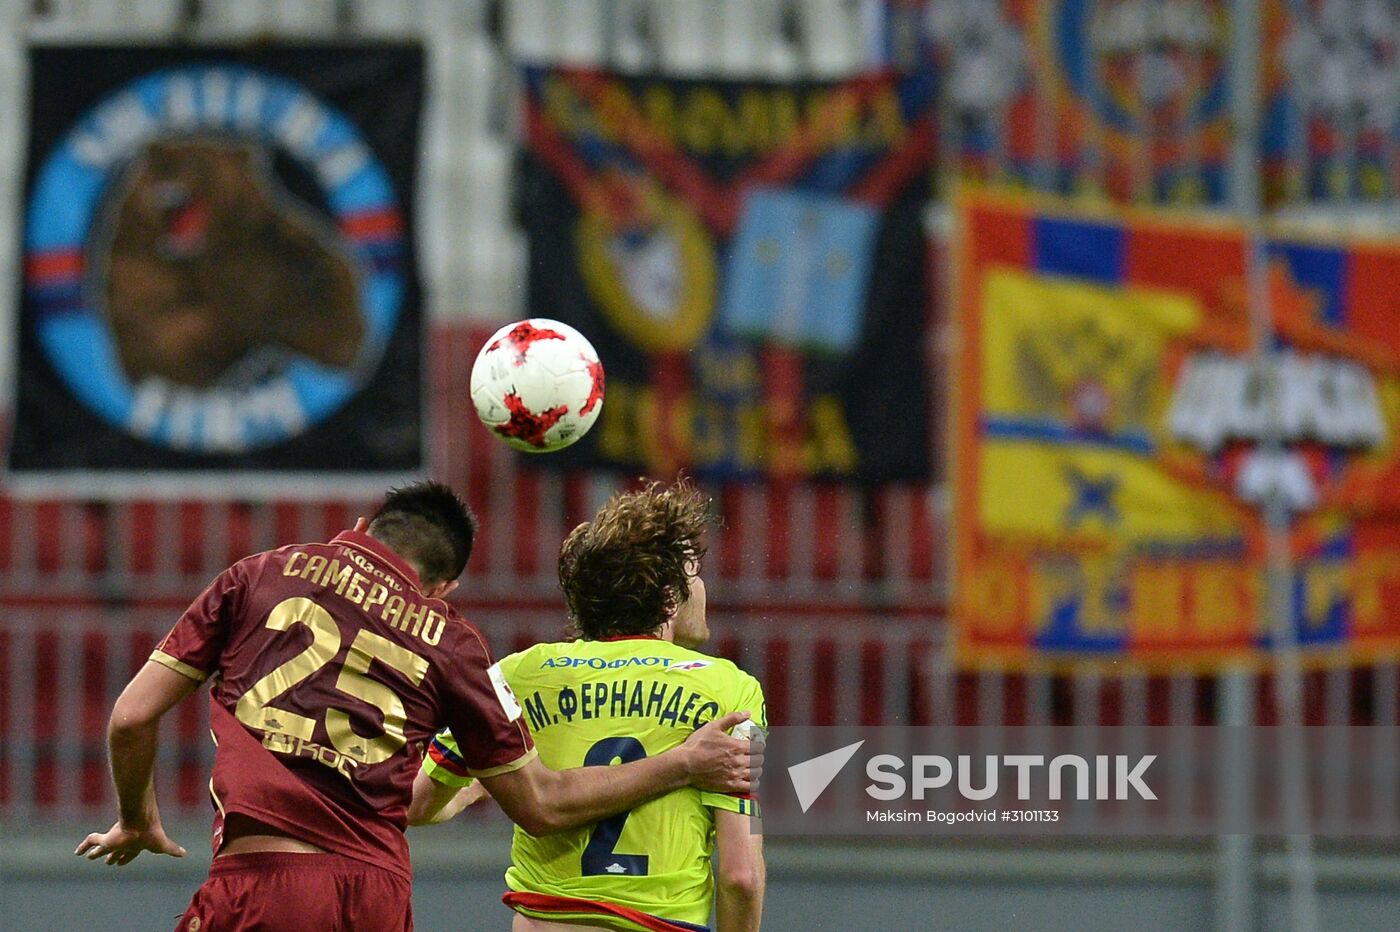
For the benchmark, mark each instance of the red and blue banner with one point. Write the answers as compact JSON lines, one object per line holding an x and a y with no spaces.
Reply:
{"x":1331,"y":127}
{"x":748,"y":259}
{"x":1109,"y":99}
{"x":1110,"y":440}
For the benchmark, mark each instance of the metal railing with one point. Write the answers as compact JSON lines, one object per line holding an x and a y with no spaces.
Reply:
{"x":61,"y":669}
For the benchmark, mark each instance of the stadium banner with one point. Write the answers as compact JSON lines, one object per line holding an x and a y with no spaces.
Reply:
{"x":1078,"y":96}
{"x":1331,"y":128}
{"x":219,"y":288}
{"x":749,"y":261}
{"x":1107,"y":466}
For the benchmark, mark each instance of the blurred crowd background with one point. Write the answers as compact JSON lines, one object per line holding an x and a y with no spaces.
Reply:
{"x":1041,"y":357}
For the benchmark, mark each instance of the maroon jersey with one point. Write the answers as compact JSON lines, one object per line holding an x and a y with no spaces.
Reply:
{"x":333,"y":671}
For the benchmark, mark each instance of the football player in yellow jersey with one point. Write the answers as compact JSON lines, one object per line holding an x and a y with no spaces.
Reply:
{"x":626,"y":689}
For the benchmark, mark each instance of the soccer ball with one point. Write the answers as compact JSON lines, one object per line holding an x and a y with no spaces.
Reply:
{"x":538,"y":385}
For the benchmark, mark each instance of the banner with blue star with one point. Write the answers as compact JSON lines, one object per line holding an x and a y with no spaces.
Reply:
{"x":1109,"y":466}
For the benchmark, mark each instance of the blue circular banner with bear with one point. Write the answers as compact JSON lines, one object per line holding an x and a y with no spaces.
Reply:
{"x":214,"y":259}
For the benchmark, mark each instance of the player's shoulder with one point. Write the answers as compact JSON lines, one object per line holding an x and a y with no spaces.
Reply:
{"x":627,"y":656}
{"x":277,"y":555}
{"x":460,"y":627}
{"x":254,"y":563}
{"x":544,"y":655}
{"x":708,"y":668}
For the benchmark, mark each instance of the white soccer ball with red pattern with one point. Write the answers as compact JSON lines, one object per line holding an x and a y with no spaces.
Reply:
{"x":538,"y":385}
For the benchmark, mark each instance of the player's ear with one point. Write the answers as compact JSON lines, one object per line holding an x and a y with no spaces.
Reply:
{"x":442,"y":590}
{"x":361,"y":525}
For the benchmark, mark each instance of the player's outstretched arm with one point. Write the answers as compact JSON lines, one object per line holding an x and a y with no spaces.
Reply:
{"x":131,"y":741}
{"x":435,"y":803}
{"x":741,"y":876}
{"x":544,"y":801}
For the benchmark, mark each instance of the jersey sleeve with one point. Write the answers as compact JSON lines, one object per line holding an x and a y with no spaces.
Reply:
{"x":444,"y":763}
{"x":193,"y":646}
{"x":747,"y":696}
{"x":485,"y":735}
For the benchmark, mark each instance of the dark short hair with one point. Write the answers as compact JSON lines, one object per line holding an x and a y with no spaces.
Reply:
{"x":625,"y":571}
{"x":428,"y":525}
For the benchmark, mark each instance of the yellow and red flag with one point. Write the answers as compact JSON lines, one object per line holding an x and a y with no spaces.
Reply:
{"x":1108,"y":422}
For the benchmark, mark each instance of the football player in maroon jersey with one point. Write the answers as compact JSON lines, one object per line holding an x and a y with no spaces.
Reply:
{"x":334,"y":664}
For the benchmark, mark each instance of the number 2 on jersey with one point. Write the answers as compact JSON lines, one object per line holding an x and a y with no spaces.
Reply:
{"x":254,"y":708}
{"x":599,"y":858}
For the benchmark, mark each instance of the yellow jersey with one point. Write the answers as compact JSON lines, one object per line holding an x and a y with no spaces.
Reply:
{"x":595,"y":703}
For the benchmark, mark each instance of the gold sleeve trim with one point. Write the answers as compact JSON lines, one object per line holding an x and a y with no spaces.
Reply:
{"x":516,"y":764}
{"x":179,"y":666}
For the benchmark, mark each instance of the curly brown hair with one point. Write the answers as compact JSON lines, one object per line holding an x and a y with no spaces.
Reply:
{"x":628,"y":569}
